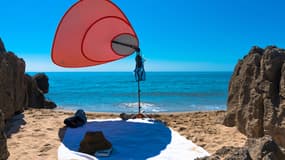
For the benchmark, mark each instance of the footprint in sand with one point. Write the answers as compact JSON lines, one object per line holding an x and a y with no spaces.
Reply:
{"x":37,"y":135}
{"x":182,"y":129}
{"x":37,"y":130}
{"x":43,"y":154}
{"x":46,"y":148}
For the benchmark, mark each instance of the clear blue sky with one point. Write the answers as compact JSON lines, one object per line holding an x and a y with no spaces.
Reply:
{"x":183,"y":35}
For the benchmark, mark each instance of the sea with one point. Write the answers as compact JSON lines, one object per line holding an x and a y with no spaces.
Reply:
{"x":118,"y":91}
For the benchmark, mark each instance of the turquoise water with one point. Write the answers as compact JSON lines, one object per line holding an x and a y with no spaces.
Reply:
{"x":117,"y":91}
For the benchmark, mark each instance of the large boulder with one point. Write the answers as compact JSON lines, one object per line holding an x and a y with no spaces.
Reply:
{"x":229,"y":153}
{"x":256,"y":100}
{"x":264,"y":149}
{"x":3,"y":142}
{"x":36,"y":96}
{"x":17,"y":90}
{"x":41,"y":80}
{"x":12,"y":84}
{"x":255,"y":149}
{"x":38,"y":86}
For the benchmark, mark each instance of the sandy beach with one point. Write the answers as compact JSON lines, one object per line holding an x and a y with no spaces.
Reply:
{"x":37,"y":133}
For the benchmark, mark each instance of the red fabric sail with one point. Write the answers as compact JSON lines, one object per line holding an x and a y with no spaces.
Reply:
{"x":86,"y":33}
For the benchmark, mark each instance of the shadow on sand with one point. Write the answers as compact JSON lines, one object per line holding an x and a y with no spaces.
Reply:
{"x":14,"y":124}
{"x":61,"y":133}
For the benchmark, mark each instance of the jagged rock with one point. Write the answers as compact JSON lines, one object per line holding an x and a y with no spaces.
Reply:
{"x":12,"y":84}
{"x":17,"y":90}
{"x":256,"y":101}
{"x":42,"y":82}
{"x":4,"y":154}
{"x":229,"y":153}
{"x":2,"y":47}
{"x":37,"y":87}
{"x":36,"y":96}
{"x":49,"y":104}
{"x":30,"y":87}
{"x":212,"y":157}
{"x":264,"y":149}
{"x":255,"y":148}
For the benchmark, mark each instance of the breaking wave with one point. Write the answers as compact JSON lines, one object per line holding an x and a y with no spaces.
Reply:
{"x":146,"y":107}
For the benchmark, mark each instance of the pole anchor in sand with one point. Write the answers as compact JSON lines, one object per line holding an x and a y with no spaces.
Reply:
{"x":139,"y":97}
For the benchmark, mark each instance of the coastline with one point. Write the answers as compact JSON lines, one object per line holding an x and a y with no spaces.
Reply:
{"x":37,"y":133}
{"x":59,"y":109}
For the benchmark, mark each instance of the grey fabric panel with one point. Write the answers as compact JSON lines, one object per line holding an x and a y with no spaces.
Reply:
{"x":122,"y":49}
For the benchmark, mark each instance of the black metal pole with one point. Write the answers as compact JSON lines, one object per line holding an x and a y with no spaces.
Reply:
{"x":139,"y":96}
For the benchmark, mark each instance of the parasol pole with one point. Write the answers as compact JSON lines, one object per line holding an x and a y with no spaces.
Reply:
{"x":139,"y":89}
{"x":139,"y":97}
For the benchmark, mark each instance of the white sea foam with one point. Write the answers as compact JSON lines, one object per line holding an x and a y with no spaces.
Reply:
{"x":207,"y":107}
{"x":146,"y":107}
{"x":135,"y":104}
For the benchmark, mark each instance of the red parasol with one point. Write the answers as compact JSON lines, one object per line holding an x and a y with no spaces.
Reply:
{"x":93,"y":32}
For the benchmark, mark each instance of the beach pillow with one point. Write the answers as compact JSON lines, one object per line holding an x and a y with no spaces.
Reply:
{"x":79,"y":119}
{"x":93,"y":142}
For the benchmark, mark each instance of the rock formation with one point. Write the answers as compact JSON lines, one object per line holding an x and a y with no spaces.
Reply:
{"x":2,"y":47}
{"x":38,"y":86}
{"x":35,"y":95}
{"x":17,"y":90}
{"x":3,"y":144}
{"x":264,"y":148}
{"x":229,"y":153}
{"x":256,"y":100}
{"x":12,"y":83}
{"x":42,"y":82}
{"x":255,"y":149}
